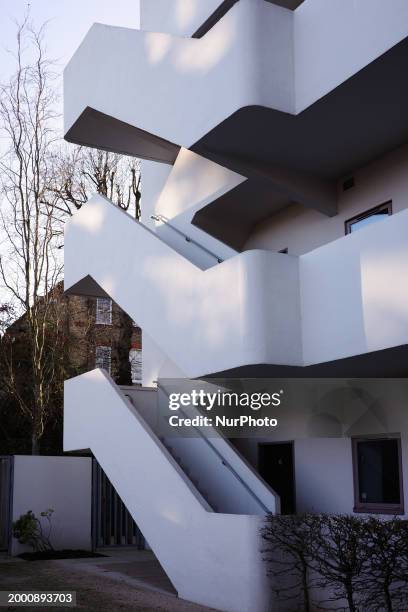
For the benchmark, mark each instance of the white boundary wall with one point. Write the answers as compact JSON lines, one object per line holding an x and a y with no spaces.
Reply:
{"x":61,"y":483}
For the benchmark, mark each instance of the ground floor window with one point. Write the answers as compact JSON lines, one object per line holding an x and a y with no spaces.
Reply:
{"x":377,"y":475}
{"x":103,"y":358}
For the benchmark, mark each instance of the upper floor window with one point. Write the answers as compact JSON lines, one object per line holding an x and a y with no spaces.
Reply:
{"x":367,"y":218}
{"x":135,"y":358}
{"x":378,"y":475}
{"x":103,"y":358}
{"x":104,"y":311}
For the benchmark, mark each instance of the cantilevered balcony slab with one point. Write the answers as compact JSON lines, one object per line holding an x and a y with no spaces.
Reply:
{"x":267,"y":92}
{"x":344,"y":299}
{"x":244,"y":310}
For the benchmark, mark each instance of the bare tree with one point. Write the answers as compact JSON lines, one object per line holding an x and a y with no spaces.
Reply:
{"x":42,"y":183}
{"x":288,"y":541}
{"x":385,"y":548}
{"x":7,"y":316}
{"x":80,"y":172}
{"x":30,"y":265}
{"x":339,"y":558}
{"x":85,"y":171}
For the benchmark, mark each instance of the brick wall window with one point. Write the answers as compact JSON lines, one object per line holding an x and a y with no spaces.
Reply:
{"x":135,"y":358}
{"x":103,"y":358}
{"x":104,"y":311}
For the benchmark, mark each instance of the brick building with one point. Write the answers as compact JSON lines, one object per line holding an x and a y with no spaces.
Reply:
{"x":102,"y":335}
{"x":98,"y":334}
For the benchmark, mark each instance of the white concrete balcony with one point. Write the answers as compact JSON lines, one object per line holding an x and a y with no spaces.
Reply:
{"x":343,"y":299}
{"x":244,"y":310}
{"x":259,"y":54}
{"x":290,"y":100}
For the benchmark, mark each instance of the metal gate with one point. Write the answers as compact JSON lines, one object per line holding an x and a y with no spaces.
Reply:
{"x":6,"y":471}
{"x":112,"y":523}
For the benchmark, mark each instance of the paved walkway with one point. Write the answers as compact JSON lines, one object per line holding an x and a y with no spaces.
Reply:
{"x":124,"y":580}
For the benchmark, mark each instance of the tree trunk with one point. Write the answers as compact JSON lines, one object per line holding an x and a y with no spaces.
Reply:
{"x":388,"y":599}
{"x":350,"y":598}
{"x":124,"y":374}
{"x":35,"y":444}
{"x":305,"y":587}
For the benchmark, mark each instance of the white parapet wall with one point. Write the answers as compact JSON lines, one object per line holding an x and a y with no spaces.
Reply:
{"x":203,"y":321}
{"x":257,"y":54}
{"x":61,"y":483}
{"x":343,"y":299}
{"x":211,"y":558}
{"x":181,"y":18}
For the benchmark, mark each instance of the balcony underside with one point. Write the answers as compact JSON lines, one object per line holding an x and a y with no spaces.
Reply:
{"x":286,"y":158}
{"x":387,"y":363}
{"x":356,"y":123}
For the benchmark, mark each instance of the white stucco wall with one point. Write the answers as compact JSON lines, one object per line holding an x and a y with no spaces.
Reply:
{"x":301,"y":230}
{"x":334,"y":40}
{"x":204,"y":321}
{"x":61,"y":483}
{"x":178,"y":17}
{"x":181,"y":75}
{"x":193,"y":183}
{"x":258,"y":54}
{"x":354,"y":294}
{"x":324,"y":475}
{"x":156,"y":364}
{"x":155,"y":176}
{"x":324,"y":470}
{"x":212,"y":559}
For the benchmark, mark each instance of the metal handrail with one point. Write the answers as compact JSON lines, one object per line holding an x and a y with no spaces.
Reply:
{"x":187,"y":238}
{"x":222,"y":459}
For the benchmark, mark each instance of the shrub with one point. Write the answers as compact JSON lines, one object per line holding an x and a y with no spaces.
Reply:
{"x":361,"y":562}
{"x":27,"y":529}
{"x":287,"y":553}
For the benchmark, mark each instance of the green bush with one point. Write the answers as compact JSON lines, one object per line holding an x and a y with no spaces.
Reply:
{"x":27,"y":529}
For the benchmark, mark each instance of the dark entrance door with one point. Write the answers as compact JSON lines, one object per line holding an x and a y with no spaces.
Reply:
{"x":276,"y":466}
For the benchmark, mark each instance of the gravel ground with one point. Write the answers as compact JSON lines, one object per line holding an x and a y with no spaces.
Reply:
{"x":95,"y":593}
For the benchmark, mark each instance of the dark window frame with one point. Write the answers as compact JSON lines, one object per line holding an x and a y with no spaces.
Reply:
{"x":368,"y":213}
{"x":380,"y":508}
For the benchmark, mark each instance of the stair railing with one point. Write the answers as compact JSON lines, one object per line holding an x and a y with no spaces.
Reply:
{"x":187,"y":238}
{"x":221,"y":458}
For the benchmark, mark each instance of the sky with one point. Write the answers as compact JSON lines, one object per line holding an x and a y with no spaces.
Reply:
{"x":69,"y":21}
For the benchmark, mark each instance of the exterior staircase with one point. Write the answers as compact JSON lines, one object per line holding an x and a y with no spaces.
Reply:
{"x":211,"y":557}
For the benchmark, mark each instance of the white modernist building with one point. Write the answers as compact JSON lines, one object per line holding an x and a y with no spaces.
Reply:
{"x":273,"y":243}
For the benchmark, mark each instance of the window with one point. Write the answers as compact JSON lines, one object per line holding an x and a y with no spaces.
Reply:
{"x":377,"y":475}
{"x":103,"y":358}
{"x":368,"y":218}
{"x":104,"y":311}
{"x":135,"y":358}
